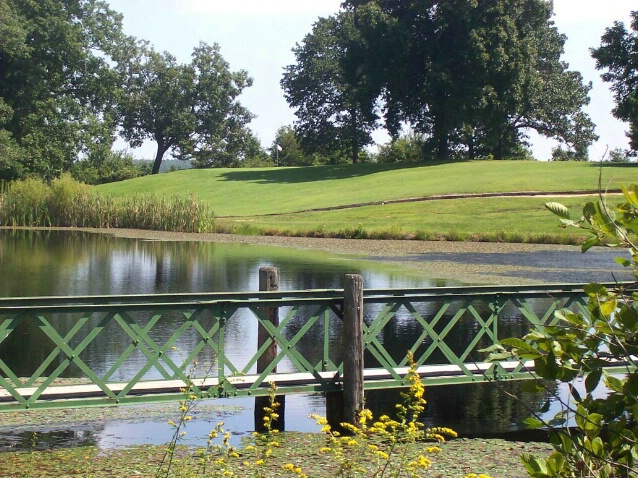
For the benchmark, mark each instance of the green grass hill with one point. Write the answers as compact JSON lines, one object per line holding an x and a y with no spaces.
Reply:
{"x":293,"y":200}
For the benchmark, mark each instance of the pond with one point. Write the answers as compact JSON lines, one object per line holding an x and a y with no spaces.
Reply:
{"x":62,"y":263}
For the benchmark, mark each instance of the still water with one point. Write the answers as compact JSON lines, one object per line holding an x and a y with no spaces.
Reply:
{"x":59,"y":263}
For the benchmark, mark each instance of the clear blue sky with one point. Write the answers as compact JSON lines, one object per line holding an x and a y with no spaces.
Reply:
{"x":258,"y":35}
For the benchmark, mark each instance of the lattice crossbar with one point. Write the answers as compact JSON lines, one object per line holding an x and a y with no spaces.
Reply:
{"x":154,"y":342}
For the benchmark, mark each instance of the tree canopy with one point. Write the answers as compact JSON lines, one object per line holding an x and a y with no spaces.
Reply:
{"x":618,"y":54}
{"x":56,"y":83}
{"x":335,"y":103}
{"x":189,"y":109}
{"x":472,"y":76}
{"x":70,"y":80}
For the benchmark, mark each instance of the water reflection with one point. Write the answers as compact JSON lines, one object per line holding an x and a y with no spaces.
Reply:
{"x":40,"y":263}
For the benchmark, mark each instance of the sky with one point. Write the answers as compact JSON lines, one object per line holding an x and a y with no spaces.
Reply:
{"x":258,"y":36}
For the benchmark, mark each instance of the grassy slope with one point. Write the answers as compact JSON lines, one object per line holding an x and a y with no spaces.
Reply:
{"x":507,"y":219}
{"x":239,"y":192}
{"x":253,"y":192}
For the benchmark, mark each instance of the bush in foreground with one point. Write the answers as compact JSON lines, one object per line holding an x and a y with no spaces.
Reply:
{"x":579,"y":347}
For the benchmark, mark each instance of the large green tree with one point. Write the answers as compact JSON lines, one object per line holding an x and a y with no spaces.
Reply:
{"x":618,"y":54}
{"x":473,"y":75}
{"x":524,"y":84}
{"x":334,"y":101}
{"x":57,"y":86}
{"x":190,"y":110}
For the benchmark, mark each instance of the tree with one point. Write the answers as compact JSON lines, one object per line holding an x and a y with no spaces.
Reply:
{"x":618,"y":54}
{"x":335,"y":102}
{"x":407,"y":148}
{"x":190,"y":110}
{"x":10,"y":158}
{"x":253,"y":155}
{"x":524,"y":84}
{"x":57,"y":87}
{"x":472,"y":75}
{"x":287,"y":148}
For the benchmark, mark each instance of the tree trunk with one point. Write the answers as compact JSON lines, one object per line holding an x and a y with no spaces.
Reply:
{"x":442,"y":146}
{"x":441,"y":136}
{"x":354,"y":142}
{"x":161,"y":150}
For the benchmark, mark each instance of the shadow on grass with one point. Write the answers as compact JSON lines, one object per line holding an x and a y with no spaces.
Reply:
{"x":318,"y":173}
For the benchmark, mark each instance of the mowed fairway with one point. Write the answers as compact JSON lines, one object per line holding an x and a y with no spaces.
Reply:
{"x":279,"y":201}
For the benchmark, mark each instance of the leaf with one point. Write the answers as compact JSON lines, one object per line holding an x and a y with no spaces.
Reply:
{"x":608,"y":307}
{"x":555,"y":463}
{"x":594,"y":289}
{"x":576,"y":394}
{"x":574,"y":319}
{"x":492,"y":348}
{"x":614,"y":383}
{"x":498,"y":357}
{"x":589,"y":211}
{"x":623,"y":262}
{"x":534,"y":336}
{"x":533,"y":423}
{"x":521,"y":348}
{"x":546,"y":366}
{"x":631,"y":194}
{"x":604,"y":220}
{"x":628,"y":317}
{"x":589,"y":243}
{"x":568,"y":223}
{"x":559,"y":419}
{"x":536,"y":467}
{"x":597,"y":447}
{"x":532,"y":386}
{"x":590,"y":423}
{"x":631,"y":386}
{"x":592,"y":380}
{"x":558,"y":209}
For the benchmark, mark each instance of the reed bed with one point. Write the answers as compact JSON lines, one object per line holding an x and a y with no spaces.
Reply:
{"x":68,"y":203}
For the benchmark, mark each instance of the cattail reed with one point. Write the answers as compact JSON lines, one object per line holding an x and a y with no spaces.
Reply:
{"x":68,"y":203}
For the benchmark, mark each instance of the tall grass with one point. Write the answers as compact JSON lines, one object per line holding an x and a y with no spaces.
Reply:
{"x":68,"y":203}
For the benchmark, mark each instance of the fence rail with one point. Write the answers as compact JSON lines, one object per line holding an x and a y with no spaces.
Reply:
{"x":78,"y":351}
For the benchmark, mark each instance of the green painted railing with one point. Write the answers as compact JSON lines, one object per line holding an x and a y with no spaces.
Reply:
{"x":77,"y":351}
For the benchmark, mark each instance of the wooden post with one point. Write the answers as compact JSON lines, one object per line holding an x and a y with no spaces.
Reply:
{"x":343,"y":407}
{"x":268,"y":281}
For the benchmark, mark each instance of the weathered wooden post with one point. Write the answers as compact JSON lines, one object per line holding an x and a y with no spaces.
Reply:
{"x":343,"y":407}
{"x":268,"y":281}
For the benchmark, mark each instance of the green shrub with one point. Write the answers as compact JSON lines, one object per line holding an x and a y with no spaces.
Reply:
{"x":405,"y":149}
{"x":579,"y":347}
{"x":106,"y":166}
